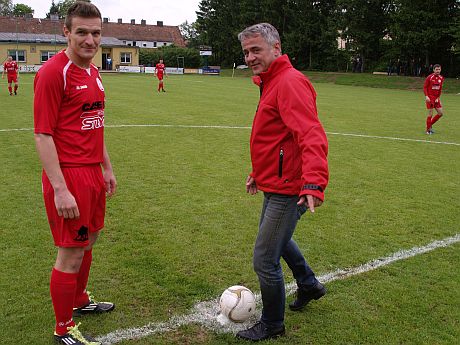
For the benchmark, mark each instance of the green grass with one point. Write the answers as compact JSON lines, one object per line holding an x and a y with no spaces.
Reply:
{"x":451,"y":85}
{"x":181,"y":228}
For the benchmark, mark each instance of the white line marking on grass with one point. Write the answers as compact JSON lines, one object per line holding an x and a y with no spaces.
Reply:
{"x":245,"y":127}
{"x":205,"y":313}
{"x":392,"y":138}
{"x":16,"y":129}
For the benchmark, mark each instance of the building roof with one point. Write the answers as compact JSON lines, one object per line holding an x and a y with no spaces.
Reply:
{"x":121,"y":31}
{"x":50,"y":38}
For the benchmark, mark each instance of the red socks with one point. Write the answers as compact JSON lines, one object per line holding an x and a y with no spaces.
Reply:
{"x":435,"y":119}
{"x":428,"y":123}
{"x":81,"y":297}
{"x":10,"y":89}
{"x":15,"y":88}
{"x":62,"y":288}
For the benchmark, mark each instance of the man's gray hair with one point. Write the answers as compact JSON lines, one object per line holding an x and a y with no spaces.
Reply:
{"x":266,"y":30}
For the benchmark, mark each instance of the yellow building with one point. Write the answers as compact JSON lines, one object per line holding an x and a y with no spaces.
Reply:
{"x":32,"y":50}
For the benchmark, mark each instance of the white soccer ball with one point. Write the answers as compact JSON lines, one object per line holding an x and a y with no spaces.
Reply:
{"x":237,"y":303}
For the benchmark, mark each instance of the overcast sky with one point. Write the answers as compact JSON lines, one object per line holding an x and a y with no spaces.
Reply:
{"x":171,"y":12}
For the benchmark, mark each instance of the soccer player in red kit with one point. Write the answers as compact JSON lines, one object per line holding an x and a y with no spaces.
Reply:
{"x":69,"y":136}
{"x":432,"y":89}
{"x":160,"y":71}
{"x":12,"y":70}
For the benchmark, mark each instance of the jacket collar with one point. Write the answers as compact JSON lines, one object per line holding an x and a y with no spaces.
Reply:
{"x":278,"y":65}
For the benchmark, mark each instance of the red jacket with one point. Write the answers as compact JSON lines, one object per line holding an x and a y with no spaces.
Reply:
{"x":288,"y":143}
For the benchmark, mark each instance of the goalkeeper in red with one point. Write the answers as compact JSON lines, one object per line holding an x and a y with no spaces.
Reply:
{"x":12,"y":69}
{"x":432,"y":89}
{"x":160,"y":71}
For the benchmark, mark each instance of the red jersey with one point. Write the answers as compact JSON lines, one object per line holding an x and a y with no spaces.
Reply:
{"x":69,"y":105}
{"x":433,"y":85}
{"x":160,"y":68}
{"x":11,"y":67}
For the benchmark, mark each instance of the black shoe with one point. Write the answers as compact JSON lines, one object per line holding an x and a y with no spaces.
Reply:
{"x":163,"y":90}
{"x":94,"y":307}
{"x":306,"y":295}
{"x":260,"y":332}
{"x":11,"y":94}
{"x":74,"y":337}
{"x":15,"y":93}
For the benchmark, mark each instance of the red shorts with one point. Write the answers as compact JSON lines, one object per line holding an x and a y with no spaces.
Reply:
{"x":433,"y":104}
{"x":87,"y":186}
{"x":12,"y":78}
{"x":160,"y":76}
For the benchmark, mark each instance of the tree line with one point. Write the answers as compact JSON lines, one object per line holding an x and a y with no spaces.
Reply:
{"x":377,"y":33}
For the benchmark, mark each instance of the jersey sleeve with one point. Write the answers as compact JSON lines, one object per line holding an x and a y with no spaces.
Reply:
{"x":426,"y":86}
{"x":297,"y":105}
{"x":48,"y":94}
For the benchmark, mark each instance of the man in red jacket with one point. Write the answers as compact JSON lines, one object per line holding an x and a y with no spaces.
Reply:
{"x":289,"y":164}
{"x":432,"y":89}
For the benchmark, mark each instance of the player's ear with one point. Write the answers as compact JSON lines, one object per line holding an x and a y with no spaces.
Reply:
{"x":66,"y":31}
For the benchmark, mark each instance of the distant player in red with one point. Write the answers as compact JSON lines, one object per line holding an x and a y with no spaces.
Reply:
{"x":69,"y":137}
{"x":432,"y":89}
{"x":12,"y":70}
{"x":160,"y":71}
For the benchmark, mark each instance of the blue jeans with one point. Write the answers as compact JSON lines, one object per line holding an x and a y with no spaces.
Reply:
{"x":280,"y":214}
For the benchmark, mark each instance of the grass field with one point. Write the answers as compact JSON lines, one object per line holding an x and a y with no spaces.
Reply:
{"x":181,"y":227}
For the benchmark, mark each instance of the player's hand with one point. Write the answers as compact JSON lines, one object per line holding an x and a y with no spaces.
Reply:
{"x":110,"y":183}
{"x":251,"y":186}
{"x":427,"y":99}
{"x":66,"y":205}
{"x":310,"y":201}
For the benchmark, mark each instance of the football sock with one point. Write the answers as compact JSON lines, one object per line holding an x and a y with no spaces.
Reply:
{"x":62,"y":289}
{"x":15,"y":88}
{"x":428,"y":122}
{"x":435,"y":119}
{"x":81,"y":297}
{"x":10,"y":89}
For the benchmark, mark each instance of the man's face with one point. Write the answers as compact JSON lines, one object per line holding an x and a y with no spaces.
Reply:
{"x":84,"y":38}
{"x":161,"y":61}
{"x":437,"y":70}
{"x":258,"y":54}
{"x":10,"y":58}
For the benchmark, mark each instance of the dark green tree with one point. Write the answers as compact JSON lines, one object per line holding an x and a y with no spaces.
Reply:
{"x":423,"y":30}
{"x":21,"y":10}
{"x":364,"y":24}
{"x":61,"y":7}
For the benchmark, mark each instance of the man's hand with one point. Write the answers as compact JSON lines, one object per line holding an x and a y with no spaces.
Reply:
{"x":110,"y":182}
{"x":251,"y":186}
{"x":66,"y":205}
{"x":310,"y":201}
{"x":427,"y":99}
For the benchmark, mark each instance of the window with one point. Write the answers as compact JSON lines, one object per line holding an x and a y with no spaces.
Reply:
{"x":125,"y":57}
{"x":165,"y":44}
{"x":18,"y":55}
{"x":46,"y":55}
{"x":155,"y":44}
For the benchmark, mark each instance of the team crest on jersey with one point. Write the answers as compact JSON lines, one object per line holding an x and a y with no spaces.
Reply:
{"x":99,"y":83}
{"x":92,"y":119}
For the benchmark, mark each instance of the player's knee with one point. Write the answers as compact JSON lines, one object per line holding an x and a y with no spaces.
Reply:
{"x":69,"y":259}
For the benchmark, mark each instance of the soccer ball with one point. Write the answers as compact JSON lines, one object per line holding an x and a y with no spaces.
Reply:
{"x":237,"y":303}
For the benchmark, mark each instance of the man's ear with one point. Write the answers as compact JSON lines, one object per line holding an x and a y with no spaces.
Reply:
{"x":66,"y":31}
{"x":277,"y":48}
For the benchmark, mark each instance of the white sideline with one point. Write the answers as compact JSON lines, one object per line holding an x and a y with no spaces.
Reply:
{"x":205,"y":313}
{"x":245,"y":127}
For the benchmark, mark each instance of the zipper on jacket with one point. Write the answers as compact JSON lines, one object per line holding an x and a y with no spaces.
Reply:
{"x":280,"y":163}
